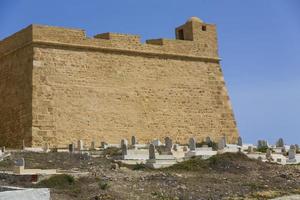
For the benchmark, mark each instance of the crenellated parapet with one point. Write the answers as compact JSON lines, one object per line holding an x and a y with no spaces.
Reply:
{"x":192,"y":41}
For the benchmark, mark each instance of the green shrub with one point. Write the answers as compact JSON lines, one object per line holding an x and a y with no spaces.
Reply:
{"x":139,"y":166}
{"x":193,"y":164}
{"x":103,"y":184}
{"x":60,"y":181}
{"x":262,"y":149}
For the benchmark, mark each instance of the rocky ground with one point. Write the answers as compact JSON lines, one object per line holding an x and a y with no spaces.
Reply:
{"x":227,"y":176}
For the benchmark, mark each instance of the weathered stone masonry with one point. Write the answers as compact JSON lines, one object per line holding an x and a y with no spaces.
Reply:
{"x":58,"y":86}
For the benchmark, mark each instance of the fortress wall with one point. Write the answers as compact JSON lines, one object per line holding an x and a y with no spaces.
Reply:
{"x":82,"y":94}
{"x":15,"y":95}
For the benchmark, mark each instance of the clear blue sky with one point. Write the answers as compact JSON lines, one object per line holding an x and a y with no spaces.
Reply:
{"x":259,"y":43}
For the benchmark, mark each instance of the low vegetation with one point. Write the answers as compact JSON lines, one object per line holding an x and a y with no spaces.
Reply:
{"x":60,"y":181}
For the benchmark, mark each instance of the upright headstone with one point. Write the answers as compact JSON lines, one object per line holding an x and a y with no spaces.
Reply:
{"x":297,"y":148}
{"x":72,"y":148}
{"x":124,"y":141}
{"x":292,"y":154}
{"x":293,"y":147}
{"x":175,"y":147}
{"x":133,"y":140}
{"x":93,"y":145}
{"x":23,"y":144}
{"x":250,"y":149}
{"x":192,"y":144}
{"x":46,"y":148}
{"x":207,"y":140}
{"x":283,"y":150}
{"x":240,"y":141}
{"x":80,"y":145}
{"x":269,"y":154}
{"x":168,"y":143}
{"x":280,"y":143}
{"x":124,"y":148}
{"x":222,"y":143}
{"x":151,"y":151}
{"x":262,"y":144}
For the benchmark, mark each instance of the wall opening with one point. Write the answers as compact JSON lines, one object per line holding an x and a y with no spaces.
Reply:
{"x":203,"y":28}
{"x":180,"y":34}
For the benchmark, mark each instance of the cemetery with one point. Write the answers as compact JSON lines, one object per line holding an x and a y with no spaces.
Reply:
{"x":131,"y":165}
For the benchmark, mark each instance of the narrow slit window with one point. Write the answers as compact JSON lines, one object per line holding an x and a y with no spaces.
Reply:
{"x":203,"y":28}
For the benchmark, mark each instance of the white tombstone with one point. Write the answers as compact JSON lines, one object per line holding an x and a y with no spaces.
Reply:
{"x":222,"y":143}
{"x":269,"y":154}
{"x":80,"y":145}
{"x":192,"y":144}
{"x":93,"y":145}
{"x":292,"y":154}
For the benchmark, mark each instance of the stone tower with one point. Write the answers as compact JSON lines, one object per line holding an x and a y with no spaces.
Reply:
{"x":58,"y":86}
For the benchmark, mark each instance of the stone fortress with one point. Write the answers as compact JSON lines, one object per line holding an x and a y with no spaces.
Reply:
{"x":58,"y":86}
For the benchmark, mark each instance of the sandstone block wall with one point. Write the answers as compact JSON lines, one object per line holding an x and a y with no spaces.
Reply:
{"x":68,"y":87}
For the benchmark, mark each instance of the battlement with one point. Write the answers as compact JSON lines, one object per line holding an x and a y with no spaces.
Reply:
{"x":189,"y":42}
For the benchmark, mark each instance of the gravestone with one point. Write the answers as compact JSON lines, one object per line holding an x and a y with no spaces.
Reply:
{"x":262,"y":144}
{"x":168,"y":143}
{"x":283,"y":150}
{"x":293,"y":147}
{"x":297,"y":148}
{"x":292,"y":154}
{"x":124,"y":141}
{"x":151,"y":151}
{"x":133,"y":140}
{"x":20,"y":162}
{"x":269,"y":154}
{"x":46,"y":147}
{"x":192,"y":144}
{"x":175,"y":147}
{"x":250,"y":149}
{"x":240,"y":141}
{"x":124,"y":148}
{"x":208,"y":140}
{"x":80,"y":145}
{"x":280,"y":143}
{"x":184,"y":148}
{"x":72,"y":148}
{"x":93,"y":145}
{"x":222,"y":143}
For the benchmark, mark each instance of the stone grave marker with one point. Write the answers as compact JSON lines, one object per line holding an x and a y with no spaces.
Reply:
{"x":133,"y":140}
{"x":192,"y":144}
{"x":151,"y":151}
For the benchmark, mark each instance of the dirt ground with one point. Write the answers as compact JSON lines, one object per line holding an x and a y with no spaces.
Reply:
{"x":227,"y":176}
